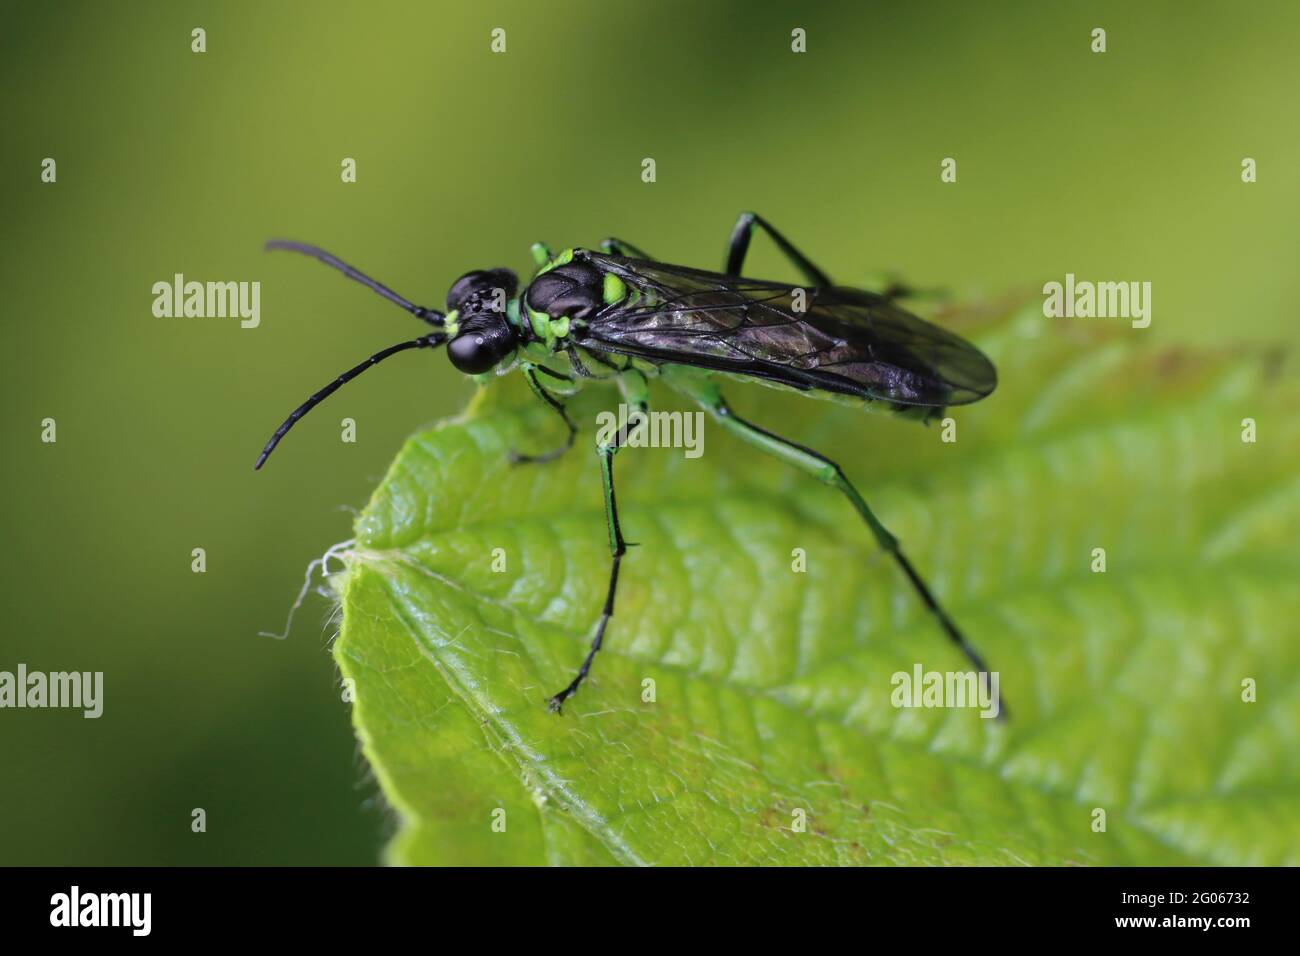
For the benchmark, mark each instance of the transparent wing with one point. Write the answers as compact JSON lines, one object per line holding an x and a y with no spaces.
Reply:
{"x":842,"y":340}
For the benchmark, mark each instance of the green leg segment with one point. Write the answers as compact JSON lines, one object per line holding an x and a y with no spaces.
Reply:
{"x":826,"y":471}
{"x":541,"y":253}
{"x":636,"y":393}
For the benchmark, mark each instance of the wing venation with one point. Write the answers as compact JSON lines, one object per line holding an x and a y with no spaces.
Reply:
{"x":844,"y":340}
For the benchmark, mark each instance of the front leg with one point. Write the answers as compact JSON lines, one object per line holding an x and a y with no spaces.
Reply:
{"x":635,"y":392}
{"x":580,"y":367}
{"x":530,"y":375}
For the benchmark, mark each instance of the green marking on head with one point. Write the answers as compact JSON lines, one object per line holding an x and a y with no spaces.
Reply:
{"x":614,"y":290}
{"x":451,"y":323}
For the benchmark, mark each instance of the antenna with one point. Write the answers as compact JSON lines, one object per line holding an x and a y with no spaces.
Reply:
{"x":432,"y":316}
{"x":432,"y":340}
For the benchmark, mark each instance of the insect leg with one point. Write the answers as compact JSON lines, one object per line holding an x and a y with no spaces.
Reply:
{"x":530,"y":375}
{"x":580,"y":368}
{"x":738,"y":245}
{"x":636,"y":392}
{"x":541,"y":253}
{"x":901,"y":290}
{"x":558,"y":376}
{"x":827,"y":472}
{"x":601,"y":359}
{"x":617,"y":247}
{"x":898,"y":290}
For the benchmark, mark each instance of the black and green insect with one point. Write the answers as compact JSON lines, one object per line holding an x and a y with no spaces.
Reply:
{"x":620,"y":314}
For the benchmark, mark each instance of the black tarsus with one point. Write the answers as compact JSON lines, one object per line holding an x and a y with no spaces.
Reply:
{"x":425,"y":341}
{"x":617,"y":550}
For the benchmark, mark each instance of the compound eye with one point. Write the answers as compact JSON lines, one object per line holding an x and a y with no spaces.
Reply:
{"x":472,"y":353}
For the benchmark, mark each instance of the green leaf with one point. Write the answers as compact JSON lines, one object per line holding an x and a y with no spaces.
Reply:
{"x":772,"y":688}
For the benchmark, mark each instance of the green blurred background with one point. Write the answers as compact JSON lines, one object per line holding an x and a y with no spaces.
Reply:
{"x":1124,"y":165}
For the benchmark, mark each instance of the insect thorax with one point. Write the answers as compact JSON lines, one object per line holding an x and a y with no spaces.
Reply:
{"x":566,"y":292}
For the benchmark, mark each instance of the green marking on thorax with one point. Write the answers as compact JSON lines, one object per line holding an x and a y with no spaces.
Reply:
{"x":549,"y":330}
{"x":614,"y":289}
{"x":541,"y":325}
{"x":563,"y":259}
